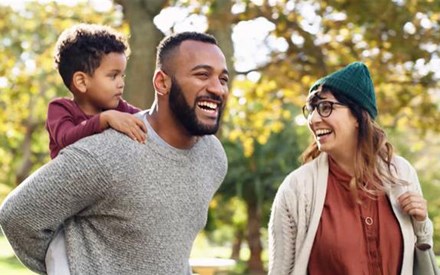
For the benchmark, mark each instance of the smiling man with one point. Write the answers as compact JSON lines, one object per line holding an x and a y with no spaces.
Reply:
{"x":127,"y":207}
{"x":190,"y":92}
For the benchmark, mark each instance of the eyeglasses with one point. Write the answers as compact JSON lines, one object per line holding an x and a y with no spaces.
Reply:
{"x":324,"y":108}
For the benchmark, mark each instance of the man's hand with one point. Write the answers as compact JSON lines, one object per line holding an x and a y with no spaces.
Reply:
{"x":125,"y":123}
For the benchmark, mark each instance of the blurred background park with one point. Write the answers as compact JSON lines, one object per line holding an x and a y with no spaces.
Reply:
{"x":275,"y":50}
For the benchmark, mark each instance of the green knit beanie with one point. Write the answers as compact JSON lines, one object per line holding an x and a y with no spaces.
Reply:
{"x":354,"y":81}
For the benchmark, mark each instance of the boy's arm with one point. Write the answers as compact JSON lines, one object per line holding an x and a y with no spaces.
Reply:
{"x":62,"y":127}
{"x":64,"y":131}
{"x":126,"y":107}
{"x":125,"y":123}
{"x":59,"y":190}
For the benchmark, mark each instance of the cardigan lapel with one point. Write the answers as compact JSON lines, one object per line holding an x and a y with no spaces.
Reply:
{"x":319,"y":185}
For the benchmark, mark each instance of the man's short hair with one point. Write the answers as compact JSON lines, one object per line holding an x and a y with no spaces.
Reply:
{"x":167,"y":46}
{"x":82,"y":47}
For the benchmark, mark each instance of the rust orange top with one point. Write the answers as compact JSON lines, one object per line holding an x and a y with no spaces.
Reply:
{"x":355,"y":238}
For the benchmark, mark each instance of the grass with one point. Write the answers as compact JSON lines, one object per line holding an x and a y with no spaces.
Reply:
{"x":9,"y":264}
{"x":204,"y":249}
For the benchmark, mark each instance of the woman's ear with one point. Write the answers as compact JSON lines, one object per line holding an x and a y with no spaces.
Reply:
{"x":79,"y":81}
{"x":162,"y":83}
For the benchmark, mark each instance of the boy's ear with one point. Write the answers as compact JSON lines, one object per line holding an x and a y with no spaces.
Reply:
{"x":161,"y":82}
{"x":79,"y":81}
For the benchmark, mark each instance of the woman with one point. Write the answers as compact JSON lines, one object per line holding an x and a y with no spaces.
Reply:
{"x":354,"y":207}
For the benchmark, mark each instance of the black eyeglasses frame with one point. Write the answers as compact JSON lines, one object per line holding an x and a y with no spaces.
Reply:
{"x":307,"y":111}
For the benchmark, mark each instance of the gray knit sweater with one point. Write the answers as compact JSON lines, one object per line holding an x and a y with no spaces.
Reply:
{"x":127,"y":208}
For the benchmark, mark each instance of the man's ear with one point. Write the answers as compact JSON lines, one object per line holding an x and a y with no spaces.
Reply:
{"x":79,"y":81}
{"x":161,"y":82}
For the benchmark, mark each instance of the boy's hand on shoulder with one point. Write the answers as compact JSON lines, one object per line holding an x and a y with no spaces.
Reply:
{"x":125,"y":123}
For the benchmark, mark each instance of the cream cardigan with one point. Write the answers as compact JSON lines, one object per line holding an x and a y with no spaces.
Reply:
{"x":297,"y":209}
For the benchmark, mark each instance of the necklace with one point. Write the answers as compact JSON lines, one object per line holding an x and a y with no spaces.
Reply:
{"x":369,"y":214}
{"x":368,"y":210}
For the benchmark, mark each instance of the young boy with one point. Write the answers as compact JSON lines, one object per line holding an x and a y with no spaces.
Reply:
{"x":91,"y":60}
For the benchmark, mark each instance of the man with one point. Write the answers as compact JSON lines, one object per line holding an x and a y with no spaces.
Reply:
{"x":127,"y":207}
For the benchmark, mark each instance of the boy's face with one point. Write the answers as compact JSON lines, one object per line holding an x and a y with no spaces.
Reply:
{"x":106,"y":85}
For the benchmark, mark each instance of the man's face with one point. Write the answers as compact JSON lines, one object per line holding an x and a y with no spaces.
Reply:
{"x":186,"y":114}
{"x":199,"y":88}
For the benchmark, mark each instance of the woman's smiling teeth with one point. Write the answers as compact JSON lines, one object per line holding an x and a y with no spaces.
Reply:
{"x":322,"y":132}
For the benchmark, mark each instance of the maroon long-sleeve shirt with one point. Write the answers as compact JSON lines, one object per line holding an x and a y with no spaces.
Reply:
{"x":67,"y":123}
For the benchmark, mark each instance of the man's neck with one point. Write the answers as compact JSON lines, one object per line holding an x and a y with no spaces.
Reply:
{"x":170,"y":131}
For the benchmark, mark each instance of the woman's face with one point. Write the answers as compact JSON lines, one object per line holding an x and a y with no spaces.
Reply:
{"x":336,"y":134}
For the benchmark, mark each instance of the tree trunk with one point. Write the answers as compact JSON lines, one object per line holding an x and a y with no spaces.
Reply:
{"x":236,"y":245}
{"x":26,"y":164}
{"x":255,"y":265}
{"x":144,"y":37}
{"x":220,"y":25}
{"x":31,"y":125}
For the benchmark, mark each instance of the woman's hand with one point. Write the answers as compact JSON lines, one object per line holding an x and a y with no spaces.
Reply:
{"x":414,"y":205}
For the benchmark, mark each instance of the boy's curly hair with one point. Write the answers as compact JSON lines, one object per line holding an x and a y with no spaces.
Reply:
{"x":81,"y":48}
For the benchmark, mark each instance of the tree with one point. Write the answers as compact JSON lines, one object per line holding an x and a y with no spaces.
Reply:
{"x":144,"y":37}
{"x":256,"y":178}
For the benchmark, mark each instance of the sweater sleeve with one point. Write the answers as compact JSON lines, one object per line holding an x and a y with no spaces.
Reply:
{"x":59,"y":190}
{"x":282,"y":233}
{"x":63,"y":128}
{"x":423,"y":229}
{"x":425,"y":262}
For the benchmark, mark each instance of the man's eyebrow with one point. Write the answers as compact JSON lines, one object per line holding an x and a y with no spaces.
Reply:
{"x":207,"y":67}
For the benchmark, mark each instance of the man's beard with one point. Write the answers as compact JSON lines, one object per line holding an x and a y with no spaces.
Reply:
{"x":187,"y":115}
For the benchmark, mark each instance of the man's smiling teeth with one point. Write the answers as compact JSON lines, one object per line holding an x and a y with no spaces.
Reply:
{"x":207,"y":105}
{"x":321,"y":132}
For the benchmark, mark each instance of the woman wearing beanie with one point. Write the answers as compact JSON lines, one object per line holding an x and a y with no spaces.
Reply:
{"x":354,"y":207}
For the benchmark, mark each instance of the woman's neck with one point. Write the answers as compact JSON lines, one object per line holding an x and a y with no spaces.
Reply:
{"x":345,"y":162}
